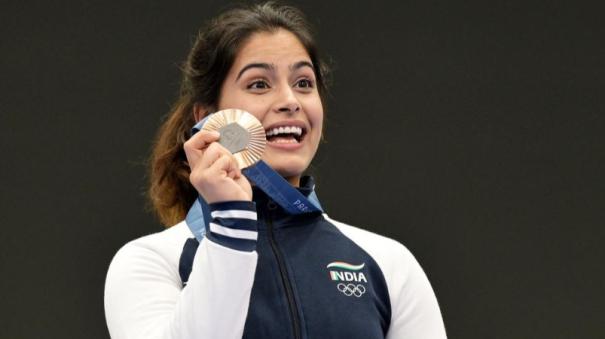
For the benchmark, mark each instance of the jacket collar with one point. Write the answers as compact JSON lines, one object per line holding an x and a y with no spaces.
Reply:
{"x":269,"y":211}
{"x":307,"y":186}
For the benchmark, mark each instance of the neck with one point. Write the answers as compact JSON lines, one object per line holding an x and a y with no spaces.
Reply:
{"x":294,"y":181}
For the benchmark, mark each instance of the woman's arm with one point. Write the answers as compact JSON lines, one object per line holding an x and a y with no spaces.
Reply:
{"x":414,"y":307}
{"x":415,"y":312}
{"x":144,"y":297}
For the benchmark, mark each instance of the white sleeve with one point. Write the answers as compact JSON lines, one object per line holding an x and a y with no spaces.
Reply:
{"x":144,"y":297}
{"x":415,"y":312}
{"x":414,"y":307}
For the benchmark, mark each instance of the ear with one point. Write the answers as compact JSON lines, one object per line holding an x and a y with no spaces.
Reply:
{"x":199,"y":112}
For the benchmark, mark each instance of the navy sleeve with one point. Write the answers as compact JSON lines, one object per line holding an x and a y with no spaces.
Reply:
{"x":233,"y":225}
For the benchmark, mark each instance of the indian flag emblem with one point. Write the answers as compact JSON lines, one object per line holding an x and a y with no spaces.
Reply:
{"x":343,"y":271}
{"x":345,"y":266}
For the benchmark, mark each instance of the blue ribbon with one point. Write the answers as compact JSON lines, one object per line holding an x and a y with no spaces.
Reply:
{"x":265,"y":178}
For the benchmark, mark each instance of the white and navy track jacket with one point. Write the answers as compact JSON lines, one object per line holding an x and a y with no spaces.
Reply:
{"x":262,"y":273}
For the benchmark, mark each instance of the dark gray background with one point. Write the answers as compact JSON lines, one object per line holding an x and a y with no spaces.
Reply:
{"x":472,"y":132}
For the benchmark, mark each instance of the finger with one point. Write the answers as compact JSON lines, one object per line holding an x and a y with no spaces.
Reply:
{"x":202,"y":139}
{"x":212,"y":153}
{"x":222,"y":166}
{"x":237,"y":172}
{"x":232,"y":174}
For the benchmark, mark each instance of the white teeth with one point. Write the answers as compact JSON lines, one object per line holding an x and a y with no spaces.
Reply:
{"x":285,"y":130}
{"x":285,"y":141}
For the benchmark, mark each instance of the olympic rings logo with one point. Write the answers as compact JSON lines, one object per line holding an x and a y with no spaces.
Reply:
{"x":351,"y":289}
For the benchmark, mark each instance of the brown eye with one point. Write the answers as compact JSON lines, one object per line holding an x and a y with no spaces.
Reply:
{"x":258,"y":84}
{"x":304,"y":83}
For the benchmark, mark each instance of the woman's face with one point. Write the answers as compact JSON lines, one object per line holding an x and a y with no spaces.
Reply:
{"x":272,"y":77}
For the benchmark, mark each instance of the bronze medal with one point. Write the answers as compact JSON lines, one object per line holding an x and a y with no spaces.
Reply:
{"x":241,"y":133}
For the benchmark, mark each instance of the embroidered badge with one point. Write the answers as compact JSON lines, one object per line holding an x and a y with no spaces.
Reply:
{"x":350,"y":278}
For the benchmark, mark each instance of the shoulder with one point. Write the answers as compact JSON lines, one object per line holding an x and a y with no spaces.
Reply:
{"x":414,"y":307}
{"x":388,"y":253}
{"x":165,"y":243}
{"x":158,"y":252}
{"x":142,"y":279}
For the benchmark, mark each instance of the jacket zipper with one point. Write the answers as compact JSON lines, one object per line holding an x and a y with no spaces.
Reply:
{"x":286,"y":281}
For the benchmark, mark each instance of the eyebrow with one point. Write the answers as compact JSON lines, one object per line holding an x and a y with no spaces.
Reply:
{"x":255,"y":65}
{"x":271,"y":67}
{"x":302,"y":64}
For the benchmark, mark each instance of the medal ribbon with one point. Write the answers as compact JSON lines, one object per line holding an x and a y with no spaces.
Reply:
{"x":265,"y":178}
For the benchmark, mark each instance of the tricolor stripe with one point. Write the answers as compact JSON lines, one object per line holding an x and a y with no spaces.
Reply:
{"x":345,"y":266}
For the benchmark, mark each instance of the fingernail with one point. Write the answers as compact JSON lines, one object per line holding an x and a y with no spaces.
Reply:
{"x":215,"y":134}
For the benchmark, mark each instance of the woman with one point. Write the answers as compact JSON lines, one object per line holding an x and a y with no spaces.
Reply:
{"x":257,"y":270}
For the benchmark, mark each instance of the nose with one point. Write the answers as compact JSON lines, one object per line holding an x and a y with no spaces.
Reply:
{"x":287,"y":102}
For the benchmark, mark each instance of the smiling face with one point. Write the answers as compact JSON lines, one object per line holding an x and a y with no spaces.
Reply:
{"x":273,"y":78}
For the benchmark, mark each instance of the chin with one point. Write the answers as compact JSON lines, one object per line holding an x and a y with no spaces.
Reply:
{"x":288,"y":169}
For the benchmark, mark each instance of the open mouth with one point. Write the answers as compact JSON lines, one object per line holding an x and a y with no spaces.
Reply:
{"x":286,"y":134}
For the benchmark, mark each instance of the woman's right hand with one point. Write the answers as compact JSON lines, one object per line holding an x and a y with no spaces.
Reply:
{"x":214,"y":171}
